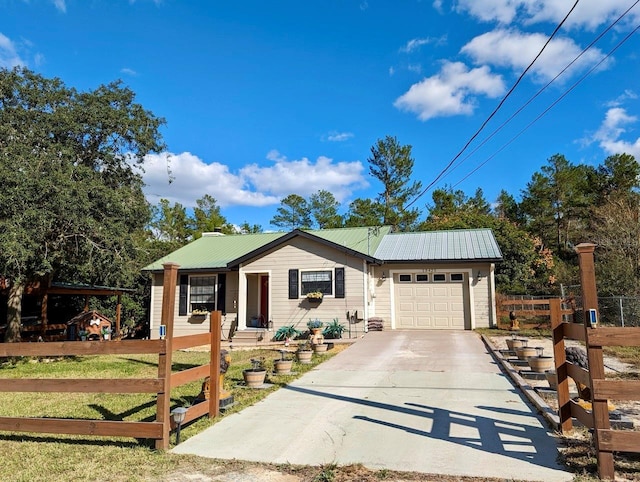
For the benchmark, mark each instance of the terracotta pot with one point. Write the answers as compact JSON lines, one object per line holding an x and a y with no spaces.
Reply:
{"x":540,"y":363}
{"x":254,"y":378}
{"x":525,"y":352}
{"x":320,"y":347}
{"x":282,"y":367}
{"x":304,"y":357}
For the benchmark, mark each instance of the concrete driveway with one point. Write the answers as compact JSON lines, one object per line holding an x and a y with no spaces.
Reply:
{"x":425,"y":401}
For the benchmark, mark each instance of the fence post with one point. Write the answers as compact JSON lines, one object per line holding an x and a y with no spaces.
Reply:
{"x":600,"y":408}
{"x":621,"y":313}
{"x":163,"y":415}
{"x":215,"y":330}
{"x":560,"y":359}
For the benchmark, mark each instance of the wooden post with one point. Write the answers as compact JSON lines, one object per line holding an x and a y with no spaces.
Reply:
{"x":163,"y":415}
{"x":215,"y":320}
{"x":600,"y":408}
{"x":560,"y":360}
{"x":43,"y":315}
{"x":118,"y":315}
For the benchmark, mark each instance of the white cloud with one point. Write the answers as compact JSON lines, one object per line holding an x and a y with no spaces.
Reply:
{"x":334,"y":136}
{"x":626,"y":95}
{"x":60,"y":5}
{"x":415,"y":44}
{"x":451,"y":92}
{"x":612,"y":128}
{"x":9,"y":57}
{"x":253,"y":185}
{"x":515,"y":50}
{"x":588,"y":13}
{"x":128,"y":71}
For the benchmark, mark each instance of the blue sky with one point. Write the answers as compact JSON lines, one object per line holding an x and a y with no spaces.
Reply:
{"x":267,"y":98}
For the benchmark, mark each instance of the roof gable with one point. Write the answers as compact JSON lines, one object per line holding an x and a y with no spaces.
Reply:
{"x":224,"y":252}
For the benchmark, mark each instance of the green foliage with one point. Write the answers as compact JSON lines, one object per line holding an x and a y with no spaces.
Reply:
{"x":364,"y":212}
{"x":324,"y":209}
{"x":287,"y":331}
{"x":314,"y":323}
{"x":333,"y":330}
{"x":392,"y":165}
{"x":293,"y":213}
{"x":71,"y":207}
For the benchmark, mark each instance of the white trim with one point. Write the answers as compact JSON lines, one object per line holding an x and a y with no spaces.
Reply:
{"x":152,"y":312}
{"x":242,"y":300}
{"x":472,"y":303}
{"x":492,"y":296}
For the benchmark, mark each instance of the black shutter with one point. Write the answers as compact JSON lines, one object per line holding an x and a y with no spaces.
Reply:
{"x":222,"y":290}
{"x":339,"y":282}
{"x":184,"y":288}
{"x":293,"y":284}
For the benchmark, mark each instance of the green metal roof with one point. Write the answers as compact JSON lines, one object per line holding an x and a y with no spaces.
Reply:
{"x":219,"y":251}
{"x":214,"y":251}
{"x":454,"y":245}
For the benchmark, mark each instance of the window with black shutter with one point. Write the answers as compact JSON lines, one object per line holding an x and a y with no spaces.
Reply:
{"x":339,"y":282}
{"x":293,"y":284}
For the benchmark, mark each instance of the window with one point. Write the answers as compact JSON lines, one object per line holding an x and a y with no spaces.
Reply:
{"x":202,"y":293}
{"x":422,"y":278}
{"x":404,"y":278}
{"x":317,"y":281}
{"x":439,"y":277}
{"x":457,"y":277}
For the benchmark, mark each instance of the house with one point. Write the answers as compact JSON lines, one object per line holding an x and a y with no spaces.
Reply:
{"x":423,"y":280}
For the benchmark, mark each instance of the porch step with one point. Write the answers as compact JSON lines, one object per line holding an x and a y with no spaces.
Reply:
{"x":252,"y":336}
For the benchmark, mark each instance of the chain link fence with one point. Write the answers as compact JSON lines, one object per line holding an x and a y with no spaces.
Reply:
{"x":613,"y":310}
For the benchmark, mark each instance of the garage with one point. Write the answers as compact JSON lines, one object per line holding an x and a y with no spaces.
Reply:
{"x":431,"y":301}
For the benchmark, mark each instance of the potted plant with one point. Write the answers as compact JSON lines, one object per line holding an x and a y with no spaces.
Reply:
{"x":315,"y":326}
{"x":305,"y":353}
{"x":315,"y":296}
{"x":286,"y":334}
{"x":254,"y":377}
{"x":199,"y":312}
{"x":105,"y":332}
{"x":83,"y":335}
{"x":333,"y":330}
{"x":282,"y":365}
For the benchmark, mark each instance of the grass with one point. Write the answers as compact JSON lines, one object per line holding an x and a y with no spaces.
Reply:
{"x":40,"y":457}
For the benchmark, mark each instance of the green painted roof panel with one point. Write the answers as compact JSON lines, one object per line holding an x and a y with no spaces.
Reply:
{"x":454,"y":245}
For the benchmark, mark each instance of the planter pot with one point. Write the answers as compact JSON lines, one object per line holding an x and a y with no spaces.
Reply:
{"x":320,"y":347}
{"x":513,"y":343}
{"x":304,"y":357}
{"x":525,"y":352}
{"x":254,"y":378}
{"x":282,"y":367}
{"x":552,"y":379}
{"x":540,"y":363}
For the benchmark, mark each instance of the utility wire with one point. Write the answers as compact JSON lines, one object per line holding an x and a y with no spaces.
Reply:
{"x":495,"y":111}
{"x":593,"y":42}
{"x":543,"y":113}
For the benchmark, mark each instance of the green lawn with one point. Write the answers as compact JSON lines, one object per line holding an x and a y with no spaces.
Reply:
{"x":40,"y":457}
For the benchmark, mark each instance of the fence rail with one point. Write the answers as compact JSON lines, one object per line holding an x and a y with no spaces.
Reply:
{"x":595,"y":337}
{"x":159,"y":429}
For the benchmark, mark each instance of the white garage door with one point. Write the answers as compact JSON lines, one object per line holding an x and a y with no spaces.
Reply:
{"x":430,"y":301}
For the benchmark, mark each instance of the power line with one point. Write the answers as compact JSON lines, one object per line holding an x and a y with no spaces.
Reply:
{"x":593,"y":42}
{"x":543,"y":113}
{"x":504,"y":98}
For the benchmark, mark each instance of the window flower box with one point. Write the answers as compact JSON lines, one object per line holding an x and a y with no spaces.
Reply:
{"x":315,"y":296}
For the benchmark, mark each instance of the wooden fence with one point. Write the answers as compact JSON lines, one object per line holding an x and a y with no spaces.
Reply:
{"x":160,"y":429}
{"x":606,"y":440}
{"x":524,"y":307}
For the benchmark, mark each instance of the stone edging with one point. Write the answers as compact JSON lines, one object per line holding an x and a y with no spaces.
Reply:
{"x":545,"y":410}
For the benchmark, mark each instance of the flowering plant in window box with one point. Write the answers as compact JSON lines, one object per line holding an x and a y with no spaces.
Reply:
{"x":315,"y":296}
{"x":199,"y":312}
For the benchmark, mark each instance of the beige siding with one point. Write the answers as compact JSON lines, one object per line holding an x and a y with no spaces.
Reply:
{"x":304,"y":254}
{"x":480,"y":294}
{"x":186,"y":325}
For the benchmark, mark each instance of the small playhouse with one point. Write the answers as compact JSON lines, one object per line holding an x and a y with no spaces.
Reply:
{"x":89,"y":325}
